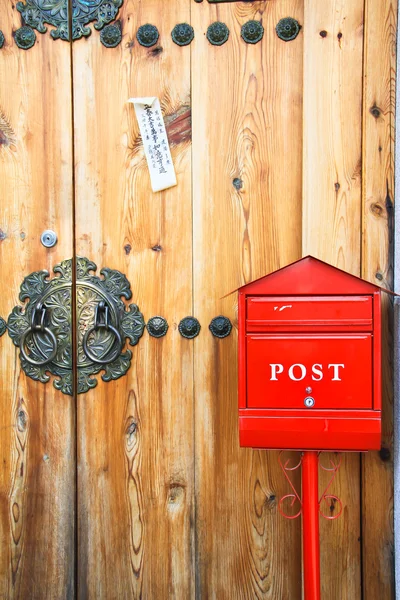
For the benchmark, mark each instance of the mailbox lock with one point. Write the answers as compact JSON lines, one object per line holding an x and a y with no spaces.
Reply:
{"x":309,"y":402}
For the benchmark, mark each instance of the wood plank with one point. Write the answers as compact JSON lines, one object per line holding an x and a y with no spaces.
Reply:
{"x":333,"y":55}
{"x":247,"y":157}
{"x":377,"y":267}
{"x":37,"y":439}
{"x":136,"y":478}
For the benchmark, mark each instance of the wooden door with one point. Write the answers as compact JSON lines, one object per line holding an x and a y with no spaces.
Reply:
{"x":138,"y":488}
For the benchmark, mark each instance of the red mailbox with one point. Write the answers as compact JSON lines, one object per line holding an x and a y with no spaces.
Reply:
{"x":310,"y":360}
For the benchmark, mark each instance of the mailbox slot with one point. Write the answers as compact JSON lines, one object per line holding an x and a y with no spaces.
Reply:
{"x":320,"y":313}
{"x":281,"y":368}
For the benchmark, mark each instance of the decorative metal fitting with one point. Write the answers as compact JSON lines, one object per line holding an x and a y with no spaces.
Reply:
{"x":288,"y":29}
{"x":48,"y":238}
{"x":55,"y":12}
{"x":252,"y":32}
{"x":220,"y":327}
{"x":189,"y":327}
{"x":182,"y":34}
{"x":3,"y":326}
{"x":111,"y":36}
{"x":147,"y":35}
{"x":217,"y":33}
{"x":25,"y":37}
{"x":2,"y":39}
{"x":103,"y":323}
{"x":157,"y":326}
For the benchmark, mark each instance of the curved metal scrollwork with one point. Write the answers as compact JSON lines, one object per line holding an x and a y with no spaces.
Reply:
{"x":42,"y":328}
{"x":55,"y":12}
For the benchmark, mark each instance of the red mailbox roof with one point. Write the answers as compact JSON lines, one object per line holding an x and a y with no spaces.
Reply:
{"x":309,"y":276}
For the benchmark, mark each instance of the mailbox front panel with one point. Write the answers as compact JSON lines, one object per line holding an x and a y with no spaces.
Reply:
{"x":334,"y":370}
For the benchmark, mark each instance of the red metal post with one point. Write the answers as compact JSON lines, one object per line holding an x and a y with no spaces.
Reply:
{"x":310,"y":501}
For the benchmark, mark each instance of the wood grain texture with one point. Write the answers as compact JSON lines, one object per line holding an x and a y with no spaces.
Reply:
{"x":37,"y":435}
{"x":332,"y":135}
{"x":377,"y":267}
{"x":136,"y":477}
{"x":247,"y":126}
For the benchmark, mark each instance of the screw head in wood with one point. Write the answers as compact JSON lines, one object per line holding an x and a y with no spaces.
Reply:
{"x":48,"y":238}
{"x":217,"y":33}
{"x":111,"y":36}
{"x":25,"y":37}
{"x":182,"y":34}
{"x":147,"y":35}
{"x":220,"y":327}
{"x":189,"y":327}
{"x":157,"y":327}
{"x":252,"y":32}
{"x":287,"y":29}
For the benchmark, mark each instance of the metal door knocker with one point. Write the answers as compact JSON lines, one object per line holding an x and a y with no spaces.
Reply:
{"x":42,"y":328}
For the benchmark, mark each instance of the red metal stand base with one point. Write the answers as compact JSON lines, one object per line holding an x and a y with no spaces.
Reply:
{"x":310,"y":509}
{"x":310,"y":512}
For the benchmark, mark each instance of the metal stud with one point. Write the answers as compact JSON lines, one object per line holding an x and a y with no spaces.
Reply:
{"x":111,"y":36}
{"x":189,"y":327}
{"x":1,"y":39}
{"x":147,"y":35}
{"x":217,"y":33}
{"x":3,"y":326}
{"x":157,"y":326}
{"x":288,"y":29}
{"x":182,"y":34}
{"x":25,"y":37}
{"x":220,"y":327}
{"x":48,"y":238}
{"x":252,"y":32}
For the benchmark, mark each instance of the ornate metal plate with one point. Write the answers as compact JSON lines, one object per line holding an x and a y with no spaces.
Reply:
{"x":3,"y":326}
{"x":55,"y":12}
{"x":55,"y":296}
{"x":1,"y":39}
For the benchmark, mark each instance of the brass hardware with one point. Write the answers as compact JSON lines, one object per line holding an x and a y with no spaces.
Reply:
{"x":102,"y":321}
{"x":220,"y":327}
{"x":182,"y":34}
{"x":25,"y":38}
{"x":252,"y":32}
{"x":217,"y":33}
{"x":111,"y":36}
{"x":48,"y":238}
{"x":99,"y":331}
{"x":3,"y":326}
{"x":55,"y":12}
{"x":2,"y":39}
{"x":37,"y":326}
{"x":288,"y":29}
{"x":189,"y":328}
{"x":157,"y":326}
{"x":147,"y":35}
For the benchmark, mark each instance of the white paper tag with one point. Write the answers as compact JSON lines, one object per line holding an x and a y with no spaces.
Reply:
{"x":155,"y":142}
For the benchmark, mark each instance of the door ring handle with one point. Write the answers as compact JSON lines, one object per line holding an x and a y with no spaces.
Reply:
{"x":89,"y":353}
{"x":31,"y":330}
